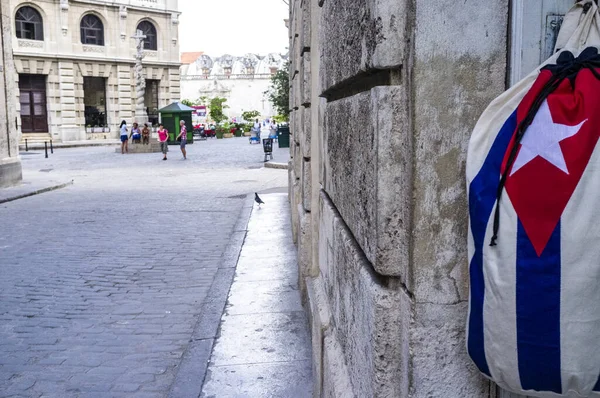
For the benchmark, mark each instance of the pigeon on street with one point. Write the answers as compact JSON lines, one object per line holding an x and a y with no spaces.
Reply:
{"x":257,"y":199}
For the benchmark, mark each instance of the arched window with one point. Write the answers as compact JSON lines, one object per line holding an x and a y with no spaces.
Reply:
{"x":29,"y":24}
{"x":148,"y":29}
{"x":92,"y":30}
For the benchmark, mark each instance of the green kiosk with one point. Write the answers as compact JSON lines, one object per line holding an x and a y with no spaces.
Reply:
{"x":171,"y":115}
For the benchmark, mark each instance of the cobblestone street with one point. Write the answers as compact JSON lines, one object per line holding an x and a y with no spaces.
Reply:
{"x":103,"y":281}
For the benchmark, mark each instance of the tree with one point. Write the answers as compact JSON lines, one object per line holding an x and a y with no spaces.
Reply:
{"x":279,"y":92}
{"x":250,"y":115}
{"x":188,"y":102}
{"x":216,"y":106}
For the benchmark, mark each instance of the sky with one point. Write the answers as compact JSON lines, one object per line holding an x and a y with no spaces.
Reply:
{"x":234,"y":27}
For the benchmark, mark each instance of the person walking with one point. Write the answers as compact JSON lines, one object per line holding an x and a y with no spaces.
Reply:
{"x":182,"y":138}
{"x":145,"y":134}
{"x":163,"y":136}
{"x":124,"y":137}
{"x":257,"y":129}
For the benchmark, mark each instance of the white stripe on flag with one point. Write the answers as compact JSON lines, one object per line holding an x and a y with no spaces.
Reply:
{"x":580,"y":283}
{"x":499,"y":309}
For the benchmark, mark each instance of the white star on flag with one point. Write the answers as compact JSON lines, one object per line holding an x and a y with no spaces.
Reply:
{"x":543,"y":139}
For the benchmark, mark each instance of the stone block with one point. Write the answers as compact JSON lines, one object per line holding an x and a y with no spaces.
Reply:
{"x":11,"y":171}
{"x":319,"y":318}
{"x":368,"y":166}
{"x":305,"y":33}
{"x":291,"y":178}
{"x":335,"y":378}
{"x":306,"y":184}
{"x":306,"y":79}
{"x":305,"y":266}
{"x":361,"y":35}
{"x":440,"y":365}
{"x":297,"y":160}
{"x":295,"y":200}
{"x":451,"y":91}
{"x":371,"y":318}
{"x":305,"y":138}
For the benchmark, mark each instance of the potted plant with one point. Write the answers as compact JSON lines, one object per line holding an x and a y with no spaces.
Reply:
{"x":220,"y":131}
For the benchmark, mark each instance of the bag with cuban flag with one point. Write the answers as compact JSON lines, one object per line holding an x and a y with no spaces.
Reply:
{"x":533,"y":178}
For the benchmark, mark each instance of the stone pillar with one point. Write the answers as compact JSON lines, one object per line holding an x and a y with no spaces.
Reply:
{"x":10,"y":162}
{"x":70,"y":127}
{"x":384,"y":95}
{"x":125,"y":95}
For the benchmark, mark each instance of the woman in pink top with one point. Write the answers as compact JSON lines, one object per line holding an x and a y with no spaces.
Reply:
{"x":163,"y":136}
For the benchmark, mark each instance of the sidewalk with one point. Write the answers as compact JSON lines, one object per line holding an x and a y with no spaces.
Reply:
{"x":32,"y":184}
{"x":263,"y":348}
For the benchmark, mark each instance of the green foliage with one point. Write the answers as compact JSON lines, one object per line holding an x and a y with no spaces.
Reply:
{"x":188,"y":102}
{"x":250,"y":115}
{"x":216,"y":107}
{"x":280,"y":119}
{"x":279,"y":92}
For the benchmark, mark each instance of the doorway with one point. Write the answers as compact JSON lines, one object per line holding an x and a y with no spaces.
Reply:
{"x":94,"y":99}
{"x":534,"y":28}
{"x":151,"y":101}
{"x":34,"y":116}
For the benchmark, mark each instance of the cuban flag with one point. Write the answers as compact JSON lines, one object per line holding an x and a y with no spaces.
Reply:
{"x":534,"y":308}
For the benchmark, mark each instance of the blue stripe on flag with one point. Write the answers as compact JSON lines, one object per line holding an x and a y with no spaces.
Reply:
{"x":482,"y":197}
{"x":538,"y":313}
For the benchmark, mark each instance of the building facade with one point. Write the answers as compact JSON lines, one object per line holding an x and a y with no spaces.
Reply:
{"x":10,"y":163}
{"x":75,"y":64}
{"x":384,"y":96}
{"x":242,"y":80}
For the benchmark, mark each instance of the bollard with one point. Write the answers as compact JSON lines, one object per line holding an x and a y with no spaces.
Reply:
{"x":46,"y":148}
{"x":51,"y":147}
{"x":26,"y":148}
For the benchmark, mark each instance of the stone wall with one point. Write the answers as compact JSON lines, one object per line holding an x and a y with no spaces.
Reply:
{"x":384,"y":95}
{"x":10,"y":163}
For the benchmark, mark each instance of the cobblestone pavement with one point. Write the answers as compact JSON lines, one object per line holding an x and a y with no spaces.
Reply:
{"x":103,"y":281}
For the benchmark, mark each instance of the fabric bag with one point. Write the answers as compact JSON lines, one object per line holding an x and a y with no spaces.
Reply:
{"x":533,"y":178}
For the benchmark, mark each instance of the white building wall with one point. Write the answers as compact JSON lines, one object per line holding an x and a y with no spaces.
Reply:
{"x":242,"y":94}
{"x":66,"y":61}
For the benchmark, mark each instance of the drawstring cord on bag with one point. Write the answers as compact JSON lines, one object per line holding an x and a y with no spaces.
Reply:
{"x":567,"y":67}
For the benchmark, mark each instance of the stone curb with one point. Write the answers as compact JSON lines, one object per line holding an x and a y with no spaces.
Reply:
{"x":275,"y":165}
{"x":194,"y":365}
{"x":35,"y":192}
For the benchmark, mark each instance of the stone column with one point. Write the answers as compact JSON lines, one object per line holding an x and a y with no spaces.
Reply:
{"x":10,"y":162}
{"x":71,"y":129}
{"x":125,"y":95}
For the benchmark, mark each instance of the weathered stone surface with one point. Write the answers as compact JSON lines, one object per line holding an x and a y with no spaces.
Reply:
{"x":319,"y":318}
{"x":336,"y":378}
{"x":306,"y":185}
{"x":306,"y":137}
{"x":296,"y":199}
{"x":362,"y":307}
{"x":305,"y":266}
{"x":10,"y":164}
{"x":306,"y":79}
{"x":368,"y":155}
{"x":360,"y":35}
{"x":451,"y":91}
{"x":440,"y":365}
{"x":298,"y":160}
{"x":306,"y":25}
